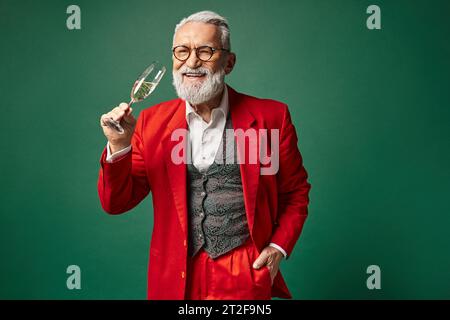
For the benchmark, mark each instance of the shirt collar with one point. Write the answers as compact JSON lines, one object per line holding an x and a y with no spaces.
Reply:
{"x":223,"y":106}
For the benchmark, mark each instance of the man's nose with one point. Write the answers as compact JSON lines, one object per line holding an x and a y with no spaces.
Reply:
{"x":193,"y":61}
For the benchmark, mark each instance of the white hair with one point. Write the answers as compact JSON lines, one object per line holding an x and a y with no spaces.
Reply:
{"x":211,"y":18}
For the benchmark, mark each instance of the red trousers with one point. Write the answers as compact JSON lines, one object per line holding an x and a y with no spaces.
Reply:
{"x":228,"y":277}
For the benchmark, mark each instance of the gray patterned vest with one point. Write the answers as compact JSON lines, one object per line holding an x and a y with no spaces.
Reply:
{"x":217,"y":220}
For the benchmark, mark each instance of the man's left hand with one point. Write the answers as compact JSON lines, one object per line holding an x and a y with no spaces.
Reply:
{"x":271,"y":258}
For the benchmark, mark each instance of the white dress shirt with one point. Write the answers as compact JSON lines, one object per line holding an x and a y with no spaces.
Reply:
{"x":205,"y":139}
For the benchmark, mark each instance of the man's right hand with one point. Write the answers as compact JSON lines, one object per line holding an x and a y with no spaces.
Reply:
{"x":122,"y":113}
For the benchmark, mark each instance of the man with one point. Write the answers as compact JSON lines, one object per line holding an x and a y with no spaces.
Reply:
{"x":221,"y":227}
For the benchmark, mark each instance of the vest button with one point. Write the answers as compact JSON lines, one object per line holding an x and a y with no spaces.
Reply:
{"x":203,"y":193}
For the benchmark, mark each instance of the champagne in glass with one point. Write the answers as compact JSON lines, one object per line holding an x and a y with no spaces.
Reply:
{"x":142,"y":88}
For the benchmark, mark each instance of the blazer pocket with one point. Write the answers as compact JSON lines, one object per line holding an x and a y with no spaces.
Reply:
{"x":262,"y":277}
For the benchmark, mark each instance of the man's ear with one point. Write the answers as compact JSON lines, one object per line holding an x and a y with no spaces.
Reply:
{"x":230,"y":62}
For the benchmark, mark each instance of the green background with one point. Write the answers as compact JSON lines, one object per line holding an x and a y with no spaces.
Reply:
{"x":371,"y":108}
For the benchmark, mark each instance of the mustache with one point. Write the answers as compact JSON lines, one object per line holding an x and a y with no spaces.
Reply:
{"x":199,"y":70}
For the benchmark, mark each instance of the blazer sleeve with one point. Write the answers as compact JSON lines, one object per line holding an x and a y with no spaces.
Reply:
{"x":123,"y":184}
{"x":293,"y":189}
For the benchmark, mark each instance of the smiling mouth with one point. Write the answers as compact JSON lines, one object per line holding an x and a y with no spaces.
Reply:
{"x":190,"y":75}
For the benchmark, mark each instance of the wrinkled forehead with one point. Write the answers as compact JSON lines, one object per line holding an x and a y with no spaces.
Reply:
{"x":196,"y":34}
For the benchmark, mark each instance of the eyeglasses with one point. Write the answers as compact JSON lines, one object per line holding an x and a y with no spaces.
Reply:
{"x":204,"y":53}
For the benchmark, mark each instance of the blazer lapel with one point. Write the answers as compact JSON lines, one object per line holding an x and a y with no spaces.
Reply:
{"x":177,"y":172}
{"x":243,"y":119}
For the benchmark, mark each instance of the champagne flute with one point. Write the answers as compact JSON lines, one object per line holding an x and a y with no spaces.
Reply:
{"x":142,"y":88}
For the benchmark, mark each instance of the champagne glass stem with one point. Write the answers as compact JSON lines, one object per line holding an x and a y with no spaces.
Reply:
{"x":116,"y":124}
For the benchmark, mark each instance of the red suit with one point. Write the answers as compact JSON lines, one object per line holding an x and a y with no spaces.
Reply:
{"x":276,"y":205}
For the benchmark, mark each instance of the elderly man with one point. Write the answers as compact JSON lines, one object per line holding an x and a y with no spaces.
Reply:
{"x":221,"y":227}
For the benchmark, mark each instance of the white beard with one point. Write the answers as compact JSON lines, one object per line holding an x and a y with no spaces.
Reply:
{"x":200,"y":92}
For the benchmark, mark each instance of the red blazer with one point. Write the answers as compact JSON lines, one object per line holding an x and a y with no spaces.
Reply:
{"x":276,"y":205}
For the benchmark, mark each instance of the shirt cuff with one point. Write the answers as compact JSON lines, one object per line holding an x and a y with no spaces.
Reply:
{"x":274,"y":245}
{"x":116,"y":155}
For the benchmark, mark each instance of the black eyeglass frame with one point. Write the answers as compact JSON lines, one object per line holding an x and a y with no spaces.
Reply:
{"x":213,"y":50}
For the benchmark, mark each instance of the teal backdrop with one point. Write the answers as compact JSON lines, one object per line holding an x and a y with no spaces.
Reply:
{"x":371,"y":109}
